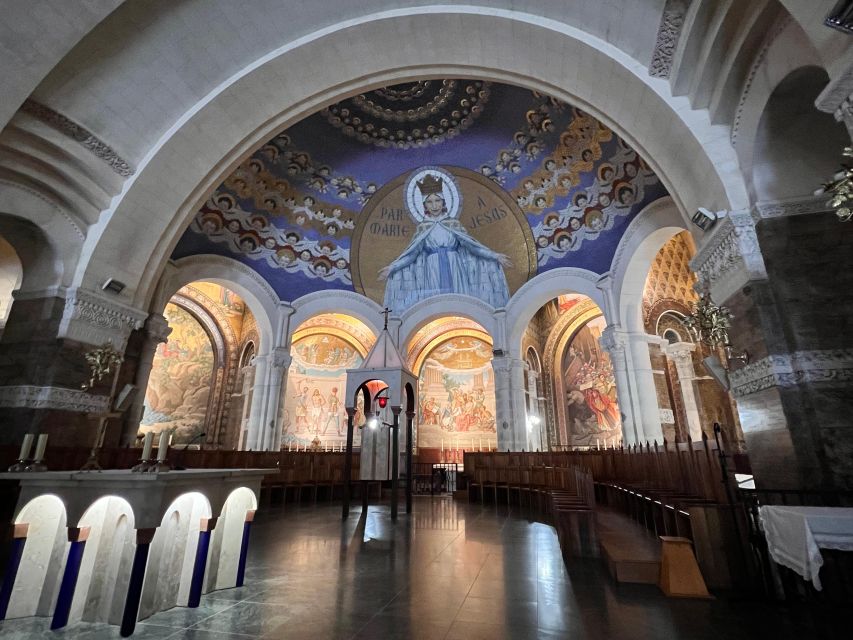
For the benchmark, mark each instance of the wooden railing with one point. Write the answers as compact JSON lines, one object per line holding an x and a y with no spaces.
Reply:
{"x":691,"y":468}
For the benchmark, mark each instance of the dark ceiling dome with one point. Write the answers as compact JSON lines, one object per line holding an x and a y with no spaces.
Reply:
{"x":411,"y":114}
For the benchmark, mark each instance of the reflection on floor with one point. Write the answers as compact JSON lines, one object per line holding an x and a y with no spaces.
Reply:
{"x":453,"y":571}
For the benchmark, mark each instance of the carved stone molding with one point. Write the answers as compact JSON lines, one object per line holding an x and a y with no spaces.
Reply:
{"x":793,"y":207}
{"x":731,"y":257}
{"x":80,"y":134}
{"x":681,"y":353}
{"x":832,"y":365}
{"x":669,"y":32}
{"x":33,"y":397}
{"x":281,"y":358}
{"x":614,"y":343}
{"x":214,"y":331}
{"x":95,"y":320}
{"x":157,"y":328}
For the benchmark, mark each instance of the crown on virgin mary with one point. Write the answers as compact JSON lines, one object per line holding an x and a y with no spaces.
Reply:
{"x":430,"y":184}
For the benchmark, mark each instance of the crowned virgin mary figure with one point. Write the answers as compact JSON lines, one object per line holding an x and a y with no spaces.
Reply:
{"x":442,"y":257}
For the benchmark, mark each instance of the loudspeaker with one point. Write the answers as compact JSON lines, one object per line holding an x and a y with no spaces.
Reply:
{"x":715,"y":368}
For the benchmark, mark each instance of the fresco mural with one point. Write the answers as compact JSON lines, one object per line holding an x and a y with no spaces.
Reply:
{"x":181,"y":374}
{"x":457,"y":395}
{"x":314,"y":396}
{"x":555,"y":182}
{"x":424,"y":236}
{"x":592,"y":409}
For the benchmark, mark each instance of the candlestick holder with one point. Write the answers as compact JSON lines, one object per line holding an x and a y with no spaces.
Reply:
{"x":160,"y":466}
{"x":36,"y":465}
{"x":143,"y":465}
{"x":20,"y":465}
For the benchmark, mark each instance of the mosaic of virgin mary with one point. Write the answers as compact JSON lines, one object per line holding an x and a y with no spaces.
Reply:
{"x":442,"y":257}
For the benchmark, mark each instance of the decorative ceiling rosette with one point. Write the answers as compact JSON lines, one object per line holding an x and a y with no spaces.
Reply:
{"x":412,"y":114}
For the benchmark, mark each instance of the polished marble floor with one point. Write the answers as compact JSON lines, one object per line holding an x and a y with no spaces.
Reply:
{"x":450,"y":571}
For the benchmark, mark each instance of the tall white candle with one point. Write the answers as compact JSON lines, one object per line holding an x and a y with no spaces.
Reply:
{"x":162,"y":446}
{"x":41,"y":445}
{"x":597,"y":444}
{"x":26,"y":445}
{"x":147,"y":442}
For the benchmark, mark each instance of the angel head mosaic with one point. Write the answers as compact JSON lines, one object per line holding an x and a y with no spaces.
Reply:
{"x":461,"y":186}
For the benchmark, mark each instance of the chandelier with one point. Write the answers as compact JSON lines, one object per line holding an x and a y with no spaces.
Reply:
{"x":709,"y":323}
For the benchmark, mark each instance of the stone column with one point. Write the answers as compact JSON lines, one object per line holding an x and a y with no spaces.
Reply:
{"x":254,"y":441}
{"x":205,"y":528}
{"x":137,"y":577}
{"x":503,"y":406}
{"x":271,"y":434}
{"x":635,"y":384}
{"x":157,"y":330}
{"x":644,"y":384}
{"x":785,"y":269}
{"x":681,"y":354}
{"x":509,"y":403}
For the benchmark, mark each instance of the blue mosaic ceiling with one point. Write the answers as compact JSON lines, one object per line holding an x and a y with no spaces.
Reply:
{"x":290,"y":210}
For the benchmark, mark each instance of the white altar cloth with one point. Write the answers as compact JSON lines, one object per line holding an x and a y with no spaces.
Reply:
{"x":795,"y":536}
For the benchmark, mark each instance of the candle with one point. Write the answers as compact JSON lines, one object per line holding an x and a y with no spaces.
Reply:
{"x":598,"y":444}
{"x":289,"y":444}
{"x":40,"y":447}
{"x":442,"y":445}
{"x":163,"y":446}
{"x":481,"y":444}
{"x":146,"y":445}
{"x":26,"y":445}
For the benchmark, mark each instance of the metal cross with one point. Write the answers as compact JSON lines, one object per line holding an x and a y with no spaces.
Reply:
{"x":385,"y":312}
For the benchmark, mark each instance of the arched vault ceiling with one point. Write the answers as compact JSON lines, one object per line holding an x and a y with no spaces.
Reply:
{"x":311,"y":209}
{"x":216,"y":96}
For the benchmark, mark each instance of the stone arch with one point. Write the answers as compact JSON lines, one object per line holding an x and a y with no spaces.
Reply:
{"x":229,"y":273}
{"x":796,"y":146}
{"x":347,"y":302}
{"x":543,"y":288}
{"x":333,"y":77}
{"x":445,"y":305}
{"x":11,"y":276}
{"x":558,"y":339}
{"x":636,"y":252}
{"x":772,"y":64}
{"x":46,"y":237}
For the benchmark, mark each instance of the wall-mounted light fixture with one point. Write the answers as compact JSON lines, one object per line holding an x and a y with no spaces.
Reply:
{"x":704,"y":218}
{"x":113,"y":286}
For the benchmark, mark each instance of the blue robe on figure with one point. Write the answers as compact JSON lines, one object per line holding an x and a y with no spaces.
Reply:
{"x":443,"y":258}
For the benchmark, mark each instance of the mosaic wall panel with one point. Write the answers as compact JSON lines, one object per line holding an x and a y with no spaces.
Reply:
{"x":556,"y":188}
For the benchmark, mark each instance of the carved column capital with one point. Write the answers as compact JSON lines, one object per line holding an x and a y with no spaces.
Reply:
{"x":730,"y":256}
{"x":93,"y":319}
{"x":157,"y":328}
{"x":281,"y":358}
{"x":680,"y":351}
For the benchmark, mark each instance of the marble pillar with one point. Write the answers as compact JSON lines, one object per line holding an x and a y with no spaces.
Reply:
{"x":157,"y":330}
{"x":510,"y":409}
{"x":257,"y":410}
{"x":144,"y":537}
{"x":635,"y":384}
{"x":19,"y":540}
{"x":681,"y":354}
{"x":205,"y":529}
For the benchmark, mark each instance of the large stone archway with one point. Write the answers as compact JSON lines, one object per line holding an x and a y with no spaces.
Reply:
{"x":203,"y":145}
